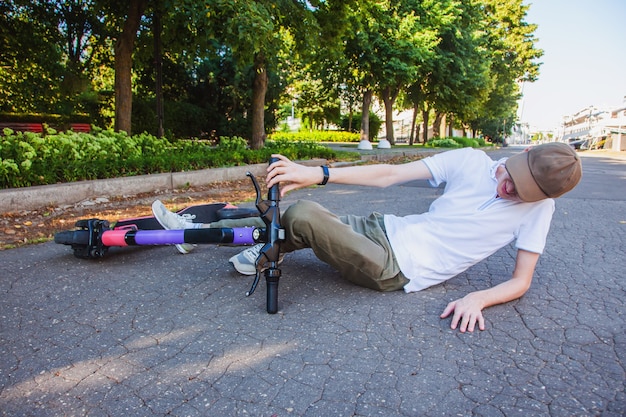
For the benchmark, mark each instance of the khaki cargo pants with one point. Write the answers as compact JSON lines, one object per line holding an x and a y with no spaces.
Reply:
{"x":356,"y":246}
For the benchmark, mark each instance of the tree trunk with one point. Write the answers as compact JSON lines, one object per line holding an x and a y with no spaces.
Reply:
{"x":259,"y":90}
{"x":437,"y":125}
{"x":351,"y":101}
{"x":450,"y":123}
{"x":124,"y":65}
{"x":389,"y":97}
{"x":413,"y":121}
{"x":365,"y":115}
{"x":425,"y":117}
{"x":158,"y":67}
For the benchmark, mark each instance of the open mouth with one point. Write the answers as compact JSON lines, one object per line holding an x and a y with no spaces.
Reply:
{"x":507,"y":190}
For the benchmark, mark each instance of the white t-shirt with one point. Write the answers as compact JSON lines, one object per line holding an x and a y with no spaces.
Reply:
{"x":466,"y":224}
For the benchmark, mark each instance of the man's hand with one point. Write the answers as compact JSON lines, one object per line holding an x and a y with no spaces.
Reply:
{"x":467,"y":312}
{"x":291,"y":175}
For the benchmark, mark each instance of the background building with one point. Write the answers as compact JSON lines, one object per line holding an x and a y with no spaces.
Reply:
{"x":596,"y":128}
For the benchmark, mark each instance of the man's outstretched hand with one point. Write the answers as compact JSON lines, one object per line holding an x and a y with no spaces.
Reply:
{"x":466,"y":312}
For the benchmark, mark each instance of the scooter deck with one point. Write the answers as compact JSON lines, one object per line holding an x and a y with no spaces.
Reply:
{"x":200,"y":213}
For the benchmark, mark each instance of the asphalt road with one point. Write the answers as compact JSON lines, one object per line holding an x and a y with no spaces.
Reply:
{"x":150,"y":332}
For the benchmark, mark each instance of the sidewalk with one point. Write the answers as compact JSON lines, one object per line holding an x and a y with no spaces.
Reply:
{"x":150,"y":332}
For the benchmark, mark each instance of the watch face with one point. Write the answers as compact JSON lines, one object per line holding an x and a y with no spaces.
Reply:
{"x":256,"y":234}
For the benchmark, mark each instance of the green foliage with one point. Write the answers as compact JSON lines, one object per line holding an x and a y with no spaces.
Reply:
{"x":234,"y":144}
{"x":315,"y":136}
{"x":375,"y":124}
{"x":443,"y":143}
{"x":28,"y":159}
{"x":450,"y":57}
{"x":181,"y":119}
{"x":457,"y":142}
{"x":316,"y":105}
{"x":207,"y":98}
{"x":513,"y":58}
{"x":467,"y":142}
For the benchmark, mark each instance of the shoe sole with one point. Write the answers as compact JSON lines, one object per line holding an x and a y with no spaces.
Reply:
{"x":238,"y":266}
{"x":182,"y":249}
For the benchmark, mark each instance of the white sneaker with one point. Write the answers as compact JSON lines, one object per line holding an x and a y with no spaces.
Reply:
{"x":173,"y":221}
{"x":245,"y":261}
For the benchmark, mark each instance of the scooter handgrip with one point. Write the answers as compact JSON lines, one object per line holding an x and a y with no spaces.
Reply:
{"x":272,"y":297}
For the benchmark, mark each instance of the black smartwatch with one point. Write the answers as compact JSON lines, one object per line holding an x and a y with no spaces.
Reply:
{"x":325,"y":170}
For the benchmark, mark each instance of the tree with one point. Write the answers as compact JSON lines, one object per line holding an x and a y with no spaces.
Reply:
{"x":317,"y":105}
{"x":511,"y":44}
{"x":230,"y":61}
{"x":327,"y":60}
{"x":82,"y":35}
{"x":255,"y":32}
{"x":460,"y":78}
{"x":441,"y":17}
{"x":403,"y":47}
{"x":30,"y":57}
{"x":485,"y":49}
{"x":344,"y":56}
{"x":124,"y":46}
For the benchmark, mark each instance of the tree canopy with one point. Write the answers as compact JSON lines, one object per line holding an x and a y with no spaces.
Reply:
{"x":214,"y":68}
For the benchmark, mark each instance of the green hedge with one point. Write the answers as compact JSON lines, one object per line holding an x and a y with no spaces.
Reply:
{"x":316,"y":136}
{"x":28,"y":159}
{"x":457,"y":142}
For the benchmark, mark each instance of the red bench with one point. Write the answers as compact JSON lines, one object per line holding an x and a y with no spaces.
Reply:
{"x":38,"y":127}
{"x":22,"y":127}
{"x":81,"y":127}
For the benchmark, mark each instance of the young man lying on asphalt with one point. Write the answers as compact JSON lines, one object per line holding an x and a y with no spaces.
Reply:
{"x":485,"y":206}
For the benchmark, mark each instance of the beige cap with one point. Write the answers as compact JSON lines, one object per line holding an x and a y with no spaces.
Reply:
{"x":545,"y":171}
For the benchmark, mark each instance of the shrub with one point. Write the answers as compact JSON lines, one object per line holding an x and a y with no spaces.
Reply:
{"x":457,"y":142}
{"x":443,"y":143}
{"x":466,"y":142}
{"x":28,"y":159}
{"x":315,"y":136}
{"x":375,"y":124}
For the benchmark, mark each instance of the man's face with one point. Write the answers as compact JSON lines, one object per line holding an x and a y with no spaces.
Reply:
{"x":505,"y":187}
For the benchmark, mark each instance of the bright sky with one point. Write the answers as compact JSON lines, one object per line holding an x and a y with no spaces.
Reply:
{"x":584,"y":61}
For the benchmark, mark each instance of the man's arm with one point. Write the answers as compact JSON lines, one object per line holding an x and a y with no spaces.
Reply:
{"x":293,"y":176}
{"x":468,"y":310}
